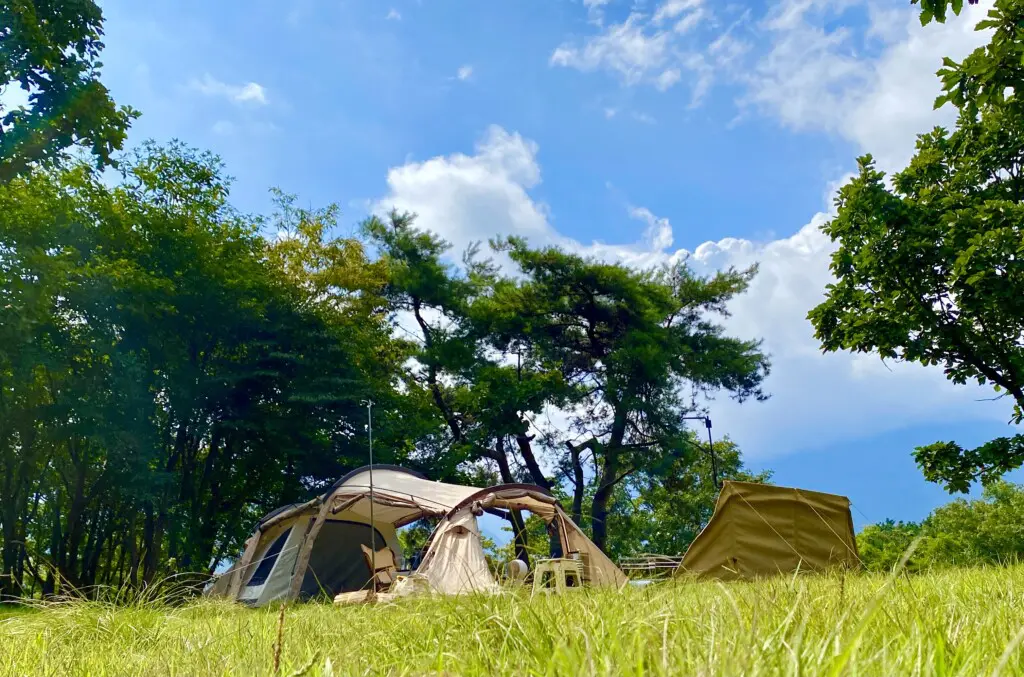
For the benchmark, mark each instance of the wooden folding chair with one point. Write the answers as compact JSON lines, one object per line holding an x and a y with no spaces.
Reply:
{"x":386,"y":569}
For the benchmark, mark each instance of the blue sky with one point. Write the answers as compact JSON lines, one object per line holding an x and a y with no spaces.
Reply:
{"x":635,"y":131}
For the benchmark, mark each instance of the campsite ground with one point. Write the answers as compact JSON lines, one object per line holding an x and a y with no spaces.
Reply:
{"x":955,"y":622}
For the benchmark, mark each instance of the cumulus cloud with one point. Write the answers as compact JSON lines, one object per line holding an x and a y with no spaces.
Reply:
{"x":816,"y":399}
{"x":465,"y":72}
{"x":393,"y":15}
{"x":812,"y":77}
{"x":250,"y":92}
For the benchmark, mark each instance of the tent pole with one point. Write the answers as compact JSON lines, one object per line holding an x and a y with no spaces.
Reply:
{"x":711,"y":447}
{"x":711,"y":450}
{"x":373,"y":525}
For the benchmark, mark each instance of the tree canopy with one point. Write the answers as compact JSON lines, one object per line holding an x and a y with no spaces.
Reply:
{"x":50,"y":50}
{"x":987,"y":530}
{"x":166,"y":373}
{"x":928,"y":263}
{"x":169,"y":372}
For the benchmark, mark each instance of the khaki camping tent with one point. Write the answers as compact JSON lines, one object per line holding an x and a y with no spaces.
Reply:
{"x":760,"y":530}
{"x":305,"y":549}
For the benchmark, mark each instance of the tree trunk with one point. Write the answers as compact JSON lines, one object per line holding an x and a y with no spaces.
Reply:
{"x":10,"y":585}
{"x":526,"y":449}
{"x":607,"y":480}
{"x":132,"y":543}
{"x":599,"y":513}
{"x":515,"y":516}
{"x":578,"y":481}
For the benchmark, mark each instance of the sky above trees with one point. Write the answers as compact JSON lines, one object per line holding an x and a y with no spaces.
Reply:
{"x":635,"y":131}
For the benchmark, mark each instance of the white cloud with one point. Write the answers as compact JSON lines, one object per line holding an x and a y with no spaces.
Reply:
{"x":609,"y":113}
{"x":811,"y":64}
{"x":816,"y":399}
{"x":659,"y":231}
{"x":393,"y":15}
{"x":13,"y":96}
{"x":452,"y":195}
{"x":813,"y":78}
{"x":465,"y":72}
{"x":642,"y":49}
{"x":690,"y":21}
{"x":250,"y":92}
{"x":671,"y":9}
{"x":644,"y":118}
{"x":668,"y":77}
{"x":223,"y":127}
{"x":626,"y":49}
{"x":595,"y":10}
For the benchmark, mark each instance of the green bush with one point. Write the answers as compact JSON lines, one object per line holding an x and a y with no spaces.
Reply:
{"x":987,"y":530}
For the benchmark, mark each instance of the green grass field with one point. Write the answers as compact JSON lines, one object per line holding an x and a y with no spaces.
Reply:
{"x":958,"y":622}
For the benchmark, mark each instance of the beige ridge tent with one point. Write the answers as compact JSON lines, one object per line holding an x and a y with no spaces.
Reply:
{"x":760,"y":530}
{"x":302,"y":550}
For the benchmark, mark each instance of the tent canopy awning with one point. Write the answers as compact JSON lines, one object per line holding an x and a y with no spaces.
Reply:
{"x":402,"y":496}
{"x":399,"y":495}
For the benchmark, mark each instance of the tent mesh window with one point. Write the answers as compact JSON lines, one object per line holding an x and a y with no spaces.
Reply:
{"x":336,"y":563}
{"x":259,"y":577}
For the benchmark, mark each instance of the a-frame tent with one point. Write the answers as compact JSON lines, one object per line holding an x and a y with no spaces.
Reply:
{"x":761,"y":530}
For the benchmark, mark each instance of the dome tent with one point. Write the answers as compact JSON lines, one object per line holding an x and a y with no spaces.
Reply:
{"x":304,"y":549}
{"x":761,"y":530}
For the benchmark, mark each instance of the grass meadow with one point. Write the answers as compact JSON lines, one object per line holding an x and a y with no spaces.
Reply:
{"x":952,"y":622}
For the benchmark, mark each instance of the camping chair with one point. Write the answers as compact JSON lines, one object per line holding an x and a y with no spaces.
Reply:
{"x":386,"y":571}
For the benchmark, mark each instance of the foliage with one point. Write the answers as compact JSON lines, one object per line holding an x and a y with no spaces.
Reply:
{"x":989,"y":73}
{"x":632,"y":344}
{"x":988,"y":530}
{"x":950,"y":464}
{"x":413,"y":537}
{"x":50,"y":49}
{"x":882,"y":546}
{"x":936,"y":9}
{"x":169,"y":373}
{"x":661,"y":509}
{"x":955,"y":622}
{"x":929,"y":269}
{"x":166,"y":374}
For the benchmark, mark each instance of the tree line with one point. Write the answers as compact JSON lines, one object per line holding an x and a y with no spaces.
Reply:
{"x":171,"y":368}
{"x":169,"y":372}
